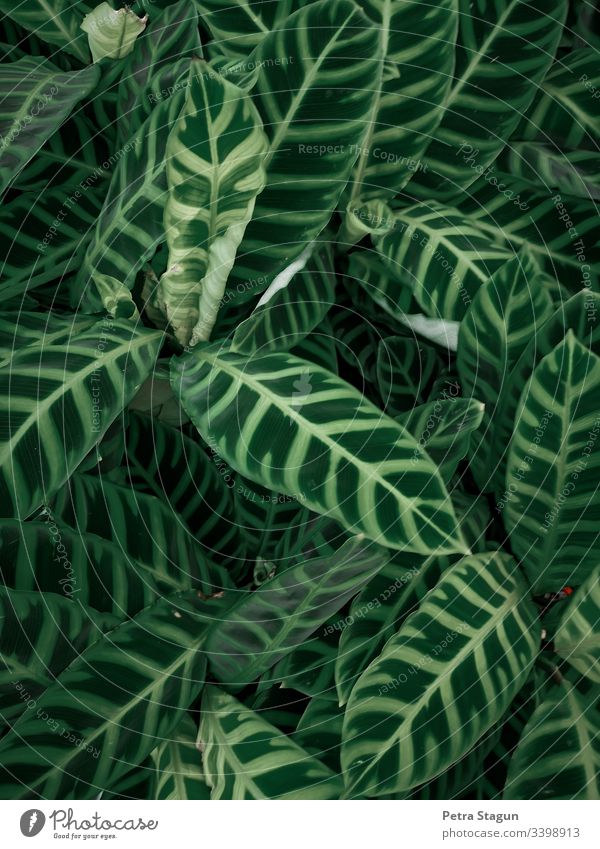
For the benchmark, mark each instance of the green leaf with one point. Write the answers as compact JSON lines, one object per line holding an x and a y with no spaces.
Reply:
{"x":40,"y":634}
{"x":85,"y":381}
{"x":300,"y":430}
{"x":160,"y":54}
{"x":55,"y":21}
{"x":291,"y":313}
{"x":406,"y":370}
{"x":441,"y":256}
{"x":445,"y":428}
{"x":499,"y":324}
{"x":320,"y":731}
{"x":262,"y":515}
{"x":446,"y":677}
{"x":545,"y":168}
{"x":265,"y":625}
{"x":558,"y":756}
{"x":581,"y":313}
{"x":551,"y":513}
{"x":100,"y":718}
{"x":141,"y":525}
{"x":373,"y":276}
{"x":245,"y":757}
{"x":112,"y":32}
{"x":215,"y":155}
{"x":51,"y":557}
{"x":408,"y":105}
{"x":577,"y":639}
{"x":314,"y":114}
{"x":565,"y":109}
{"x":309,"y":668}
{"x":130,"y":226}
{"x":505,"y":48}
{"x":237,"y":27}
{"x":179,"y":774}
{"x":38,"y":97}
{"x":31,"y":328}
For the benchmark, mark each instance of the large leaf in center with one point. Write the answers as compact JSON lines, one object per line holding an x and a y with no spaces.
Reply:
{"x":316,"y":82}
{"x":215,"y":156}
{"x":296,"y":428}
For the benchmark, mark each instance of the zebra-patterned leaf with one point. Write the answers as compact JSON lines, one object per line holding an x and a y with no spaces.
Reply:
{"x":441,"y":256}
{"x":558,"y":756}
{"x":499,"y":324}
{"x":374,"y":277}
{"x":33,"y":328}
{"x":310,"y":667}
{"x":267,"y":624}
{"x":130,"y":226}
{"x":545,"y":168}
{"x":55,"y":21}
{"x":160,"y":50}
{"x":299,"y":430}
{"x":320,"y":731}
{"x":505,"y":48}
{"x":551,"y":511}
{"x":445,"y":428}
{"x":53,"y":558}
{"x":100,"y":717}
{"x":581,"y":314}
{"x":40,"y":634}
{"x":291,"y":313}
{"x":264,"y":516}
{"x":418,"y":49}
{"x":447,"y":676}
{"x":37,"y":97}
{"x":577,"y":639}
{"x":406,"y":371}
{"x":314,"y":91}
{"x":58,"y":400}
{"x":566,"y":107}
{"x":179,"y":774}
{"x":238,"y":26}
{"x":215,"y":169}
{"x":141,"y":525}
{"x":245,"y":757}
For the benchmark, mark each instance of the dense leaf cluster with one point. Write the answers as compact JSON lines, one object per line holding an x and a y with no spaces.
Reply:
{"x":299,"y":381}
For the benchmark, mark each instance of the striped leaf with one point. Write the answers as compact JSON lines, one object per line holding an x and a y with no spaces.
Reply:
{"x":40,"y":634}
{"x":558,"y":756}
{"x":300,"y":430}
{"x":357,"y":346}
{"x":245,"y":757}
{"x":163,"y":462}
{"x":179,"y":774}
{"x":264,"y":516}
{"x":141,"y":525}
{"x":101,"y":717}
{"x":418,"y":48}
{"x":160,"y":50}
{"x":56,"y":22}
{"x":446,"y":677}
{"x":319,"y":731}
{"x":33,"y":328}
{"x":561,"y":234}
{"x":505,"y":48}
{"x":441,"y":256}
{"x":130,"y":226}
{"x":500,"y":322}
{"x":565,"y":109}
{"x":310,"y":667}
{"x":266,"y":625}
{"x":314,"y":92}
{"x":581,"y":313}
{"x":545,"y":168}
{"x":45,"y":236}
{"x":368,"y":270}
{"x":577,"y":639}
{"x":38,"y":97}
{"x":405,"y":372}
{"x":378,"y":611}
{"x":111,"y":32}
{"x":215,"y":155}
{"x":49,"y":556}
{"x":291,"y":313}
{"x":551,"y":511}
{"x":237,"y":27}
{"x":85,"y":381}
{"x":445,"y":428}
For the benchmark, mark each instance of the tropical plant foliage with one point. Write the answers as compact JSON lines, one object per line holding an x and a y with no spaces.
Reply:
{"x":300,"y":400}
